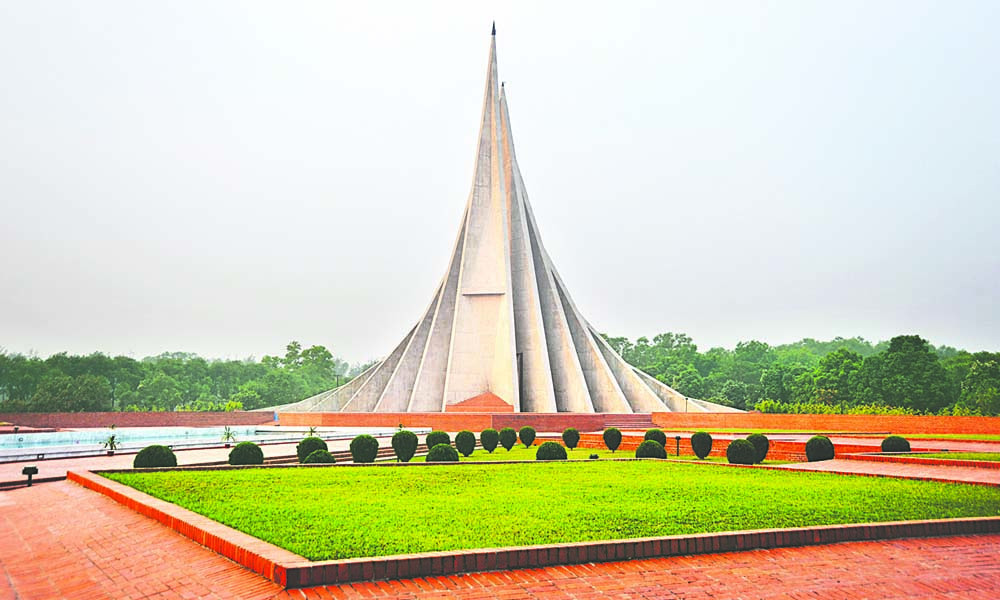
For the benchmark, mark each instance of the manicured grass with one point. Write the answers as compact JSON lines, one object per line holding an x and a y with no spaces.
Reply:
{"x":344,"y":512}
{"x":990,"y":456}
{"x":722,"y":459}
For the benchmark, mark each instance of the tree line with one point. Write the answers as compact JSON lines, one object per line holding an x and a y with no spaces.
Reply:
{"x":166,"y":382}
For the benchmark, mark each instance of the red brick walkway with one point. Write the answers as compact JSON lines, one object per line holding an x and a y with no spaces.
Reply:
{"x":934,"y":472}
{"x":59,"y":540}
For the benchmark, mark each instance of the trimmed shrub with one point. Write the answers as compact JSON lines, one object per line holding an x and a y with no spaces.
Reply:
{"x":571,"y":437}
{"x":819,"y":447}
{"x":438,"y":437}
{"x":650,"y":449}
{"x":489,"y":438}
{"x":550,"y":451}
{"x":656,"y":435}
{"x":246,"y":453}
{"x":508,"y":437}
{"x":527,"y":436}
{"x":701,"y":444}
{"x":612,"y":438}
{"x":154,"y":456}
{"x":309,"y":445}
{"x":594,"y":457}
{"x":741,"y":452}
{"x":442,"y":453}
{"x":320,"y":457}
{"x":465,"y":442}
{"x":761,"y":444}
{"x":404,"y":444}
{"x":895,"y":443}
{"x":364,"y":449}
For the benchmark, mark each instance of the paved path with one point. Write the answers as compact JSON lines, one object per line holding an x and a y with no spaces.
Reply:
{"x":936,"y":472}
{"x":60,"y":540}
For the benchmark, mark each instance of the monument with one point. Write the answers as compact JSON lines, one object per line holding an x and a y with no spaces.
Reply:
{"x":501,"y":332}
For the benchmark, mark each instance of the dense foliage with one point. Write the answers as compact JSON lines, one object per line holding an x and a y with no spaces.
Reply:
{"x":571,"y":437}
{"x":320,"y":457}
{"x":656,"y":435}
{"x":309,"y":445}
{"x":437,"y":437}
{"x":550,"y":451}
{"x":741,"y":452}
{"x":701,"y":443}
{"x":761,"y":444}
{"x":527,"y":435}
{"x":650,"y":449}
{"x":895,"y":443}
{"x":154,"y":456}
{"x":364,"y":449}
{"x":612,"y":438}
{"x":819,"y":447}
{"x":404,"y":444}
{"x":489,"y":438}
{"x":465,"y":442}
{"x":442,"y":453}
{"x":246,"y":453}
{"x":508,"y":437}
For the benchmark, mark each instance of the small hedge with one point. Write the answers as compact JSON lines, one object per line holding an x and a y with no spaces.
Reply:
{"x":656,"y":435}
{"x":309,"y":445}
{"x":320,"y":457}
{"x":508,"y":437}
{"x":465,"y":442}
{"x":442,"y":453}
{"x":612,"y":438}
{"x":550,"y":451}
{"x":246,"y":453}
{"x":895,"y":443}
{"x":741,"y":452}
{"x":761,"y":444}
{"x":526,"y":435}
{"x":364,"y":449}
{"x":819,"y":447}
{"x":404,"y":444}
{"x":650,"y":449}
{"x":571,"y":437}
{"x":701,"y":444}
{"x":437,"y":437}
{"x":154,"y":456}
{"x":489,"y":438}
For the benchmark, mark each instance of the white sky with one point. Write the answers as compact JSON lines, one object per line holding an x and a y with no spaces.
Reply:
{"x":223,"y":177}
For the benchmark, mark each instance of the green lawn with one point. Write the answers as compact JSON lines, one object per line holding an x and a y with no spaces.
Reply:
{"x":990,"y":456}
{"x":331,"y":512}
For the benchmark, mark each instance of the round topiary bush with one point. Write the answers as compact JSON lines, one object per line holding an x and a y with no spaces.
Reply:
{"x":442,"y":453}
{"x":309,"y":445}
{"x":895,"y":443}
{"x":819,"y":447}
{"x":571,"y":437}
{"x":612,"y":438}
{"x":761,"y":444}
{"x":246,"y":453}
{"x":508,"y":437}
{"x":527,"y":436}
{"x":154,"y":456}
{"x":404,"y":444}
{"x":465,"y":442}
{"x":701,"y":444}
{"x":489,"y":438}
{"x":656,"y":435}
{"x":437,"y":437}
{"x":320,"y":457}
{"x":550,"y":451}
{"x":650,"y":449}
{"x":741,"y":452}
{"x":364,"y":449}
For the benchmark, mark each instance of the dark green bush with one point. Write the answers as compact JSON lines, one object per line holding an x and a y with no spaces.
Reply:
{"x":442,"y":453}
{"x":701,"y":444}
{"x":437,"y":437}
{"x":320,"y":457}
{"x":154,"y":456}
{"x":656,"y":435}
{"x":309,"y":445}
{"x":571,"y":437}
{"x":508,"y":437}
{"x":489,"y":438}
{"x":550,"y":451}
{"x":404,"y":444}
{"x":246,"y":453}
{"x":594,"y":457}
{"x":527,"y":435}
{"x":819,"y":447}
{"x":650,"y":449}
{"x":612,"y":438}
{"x":741,"y":452}
{"x":895,"y":443}
{"x":761,"y":444}
{"x":465,"y":442}
{"x":364,"y":449}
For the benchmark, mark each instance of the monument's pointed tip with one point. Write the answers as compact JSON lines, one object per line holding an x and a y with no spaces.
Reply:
{"x":494,"y":32}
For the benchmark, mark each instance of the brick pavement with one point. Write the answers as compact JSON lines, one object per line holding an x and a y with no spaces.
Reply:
{"x":907,"y":471}
{"x":60,"y":540}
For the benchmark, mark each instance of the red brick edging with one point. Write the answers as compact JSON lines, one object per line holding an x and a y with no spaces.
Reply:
{"x":916,"y":459}
{"x":293,"y":571}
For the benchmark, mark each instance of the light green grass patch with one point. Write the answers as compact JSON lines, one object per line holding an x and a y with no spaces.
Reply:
{"x":987,"y":456}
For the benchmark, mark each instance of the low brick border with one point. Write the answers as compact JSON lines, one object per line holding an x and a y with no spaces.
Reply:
{"x":293,"y":571}
{"x":915,"y":459}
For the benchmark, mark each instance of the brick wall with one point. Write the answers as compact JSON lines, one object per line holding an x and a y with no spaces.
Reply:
{"x":138,"y":419}
{"x":829,"y":423}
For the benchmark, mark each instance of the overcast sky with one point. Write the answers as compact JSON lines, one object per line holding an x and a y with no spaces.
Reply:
{"x":222,"y":178}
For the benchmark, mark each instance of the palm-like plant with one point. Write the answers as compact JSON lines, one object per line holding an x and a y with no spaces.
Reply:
{"x":228,"y":436}
{"x":111,"y":444}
